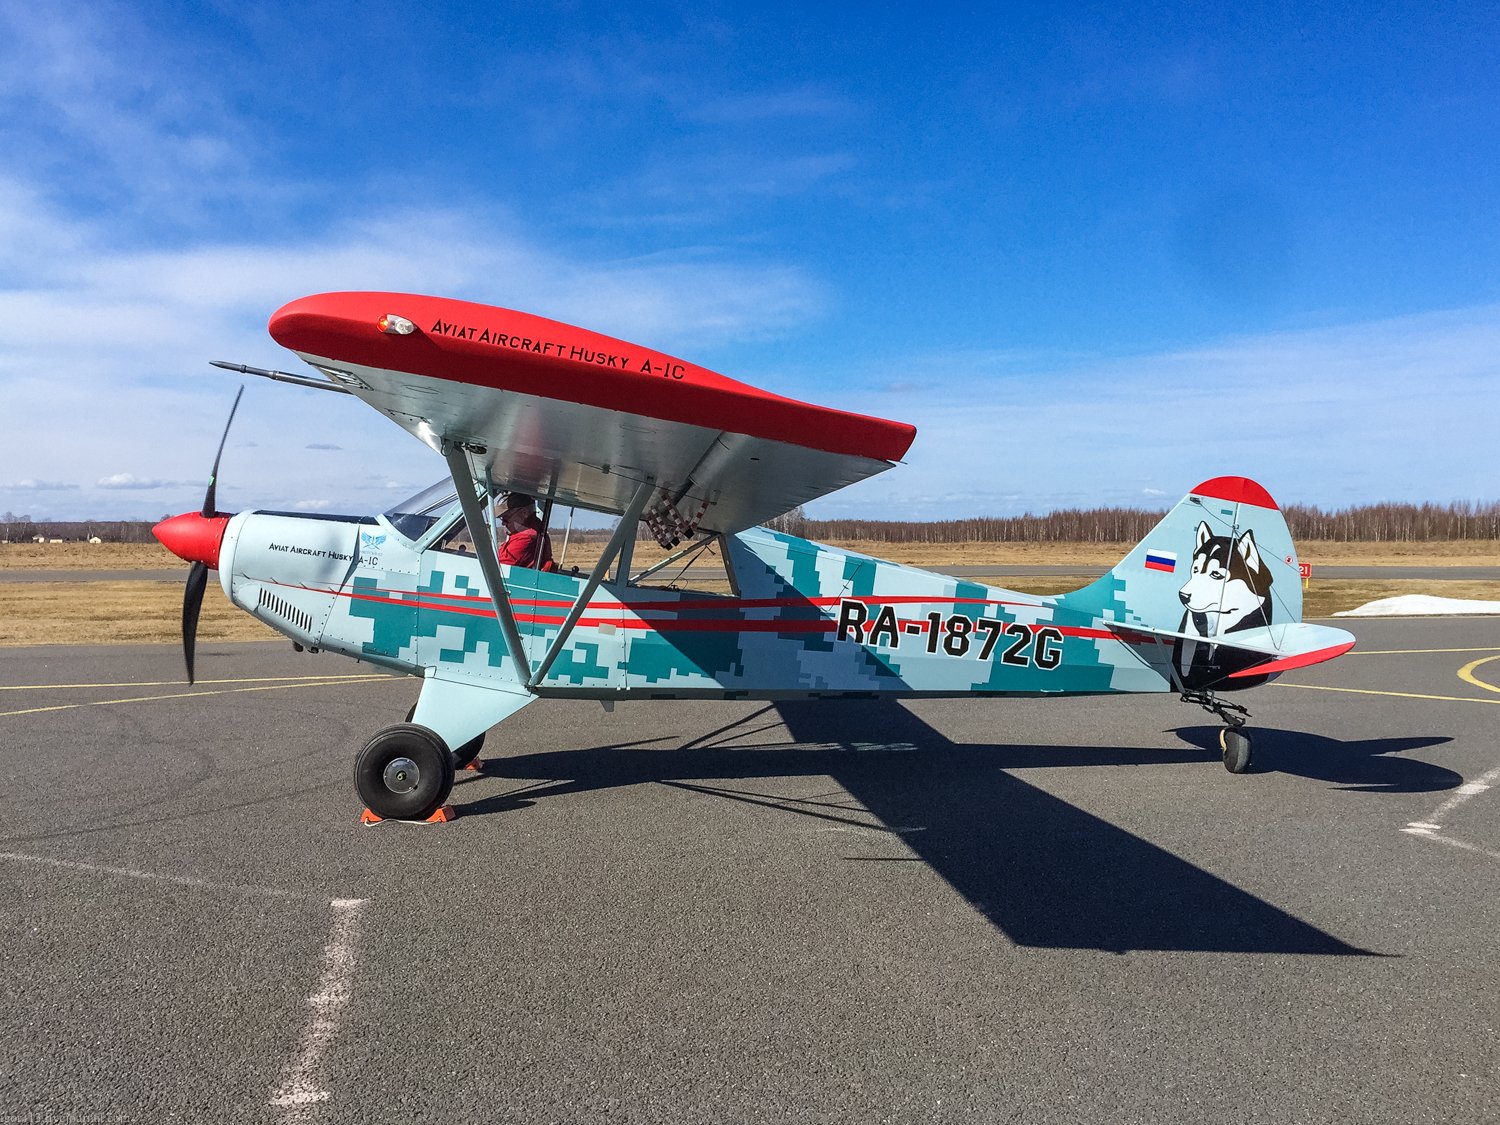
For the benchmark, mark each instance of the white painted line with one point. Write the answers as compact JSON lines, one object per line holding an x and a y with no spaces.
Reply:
{"x":148,"y":876}
{"x":301,"y":1088}
{"x":236,"y":680}
{"x":1468,"y":789}
{"x":332,"y":682}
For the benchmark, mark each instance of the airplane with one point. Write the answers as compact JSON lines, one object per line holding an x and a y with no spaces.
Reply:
{"x":1210,"y":602}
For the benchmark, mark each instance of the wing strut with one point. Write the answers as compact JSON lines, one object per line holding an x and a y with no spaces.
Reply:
{"x":695,"y":545}
{"x":624,"y":535}
{"x":484,"y":548}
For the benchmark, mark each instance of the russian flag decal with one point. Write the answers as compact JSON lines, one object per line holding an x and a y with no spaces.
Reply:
{"x":1161,"y":560}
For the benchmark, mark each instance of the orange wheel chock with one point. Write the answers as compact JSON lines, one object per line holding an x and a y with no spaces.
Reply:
{"x":442,"y":816}
{"x":476,"y":765}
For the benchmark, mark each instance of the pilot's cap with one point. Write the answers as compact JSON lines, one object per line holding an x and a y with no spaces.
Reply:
{"x":516,"y":500}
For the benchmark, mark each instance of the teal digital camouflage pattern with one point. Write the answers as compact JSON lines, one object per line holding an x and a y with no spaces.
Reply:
{"x":806,"y":620}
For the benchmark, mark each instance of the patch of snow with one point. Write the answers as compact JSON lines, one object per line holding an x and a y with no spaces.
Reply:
{"x":1420,"y":605}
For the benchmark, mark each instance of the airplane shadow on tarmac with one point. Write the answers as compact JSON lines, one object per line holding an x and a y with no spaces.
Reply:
{"x":1046,"y":873}
{"x":1362,"y":767}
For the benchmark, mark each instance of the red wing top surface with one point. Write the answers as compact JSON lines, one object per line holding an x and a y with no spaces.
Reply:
{"x":559,"y":409}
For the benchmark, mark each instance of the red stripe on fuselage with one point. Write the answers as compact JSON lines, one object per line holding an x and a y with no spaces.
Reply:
{"x":626,"y":620}
{"x":730,"y":603}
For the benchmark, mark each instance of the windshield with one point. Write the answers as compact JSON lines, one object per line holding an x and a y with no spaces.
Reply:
{"x":413,"y":516}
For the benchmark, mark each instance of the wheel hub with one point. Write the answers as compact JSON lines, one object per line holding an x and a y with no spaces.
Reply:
{"x":402,"y":775}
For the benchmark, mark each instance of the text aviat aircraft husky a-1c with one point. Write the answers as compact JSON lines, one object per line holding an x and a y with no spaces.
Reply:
{"x":1209,"y":602}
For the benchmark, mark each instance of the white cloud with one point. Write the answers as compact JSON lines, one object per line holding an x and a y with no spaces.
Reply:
{"x":109,"y":345}
{"x":30,"y":484}
{"x":1385,"y":410}
{"x":140,"y":484}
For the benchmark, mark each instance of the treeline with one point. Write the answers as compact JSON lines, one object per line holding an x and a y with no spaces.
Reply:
{"x":1396,"y":523}
{"x":23,"y":529}
{"x":1379,"y":523}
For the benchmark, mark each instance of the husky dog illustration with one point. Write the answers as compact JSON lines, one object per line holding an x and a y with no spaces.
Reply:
{"x":1228,"y":589}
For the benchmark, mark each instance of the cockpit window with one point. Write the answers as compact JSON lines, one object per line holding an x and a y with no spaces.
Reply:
{"x":415,"y":515}
{"x":457,"y":541}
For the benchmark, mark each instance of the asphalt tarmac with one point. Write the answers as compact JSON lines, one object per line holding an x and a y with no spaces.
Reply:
{"x":1025,"y":910}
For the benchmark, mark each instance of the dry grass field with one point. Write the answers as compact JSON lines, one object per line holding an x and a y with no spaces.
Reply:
{"x":87,"y":556}
{"x":84,"y":613}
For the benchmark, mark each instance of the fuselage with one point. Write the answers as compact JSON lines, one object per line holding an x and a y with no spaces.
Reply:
{"x":804,"y":619}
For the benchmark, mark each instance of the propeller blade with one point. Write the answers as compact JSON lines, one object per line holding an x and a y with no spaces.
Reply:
{"x":197,"y":581}
{"x":192,"y":602}
{"x":210,"y":498}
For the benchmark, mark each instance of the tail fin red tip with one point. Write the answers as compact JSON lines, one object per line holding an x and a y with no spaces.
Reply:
{"x":1236,"y":490}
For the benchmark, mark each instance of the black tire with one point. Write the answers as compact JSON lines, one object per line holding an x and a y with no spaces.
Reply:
{"x":468,"y":752}
{"x":465,"y":753}
{"x":1236,"y":751}
{"x":404,"y":773}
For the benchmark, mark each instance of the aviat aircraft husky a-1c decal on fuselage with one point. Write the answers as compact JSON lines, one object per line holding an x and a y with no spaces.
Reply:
{"x":1209,"y":602}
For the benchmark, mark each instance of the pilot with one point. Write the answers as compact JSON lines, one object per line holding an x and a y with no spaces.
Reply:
{"x":526,"y":544}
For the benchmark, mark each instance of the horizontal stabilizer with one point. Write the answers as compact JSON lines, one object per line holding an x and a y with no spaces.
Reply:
{"x":1296,"y":644}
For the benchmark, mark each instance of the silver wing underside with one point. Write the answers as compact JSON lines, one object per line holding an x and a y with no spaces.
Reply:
{"x":595,"y":458}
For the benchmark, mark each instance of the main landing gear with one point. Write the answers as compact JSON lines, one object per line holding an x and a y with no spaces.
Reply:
{"x":404,"y":773}
{"x":1234,"y":743}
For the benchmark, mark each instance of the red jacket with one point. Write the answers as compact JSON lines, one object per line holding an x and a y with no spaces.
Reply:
{"x":520,"y":548}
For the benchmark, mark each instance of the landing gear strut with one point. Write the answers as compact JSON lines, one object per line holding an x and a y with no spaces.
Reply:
{"x":466,"y":753}
{"x":1233,"y":742}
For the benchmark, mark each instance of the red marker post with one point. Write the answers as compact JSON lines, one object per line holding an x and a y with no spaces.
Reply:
{"x":1305,"y":569}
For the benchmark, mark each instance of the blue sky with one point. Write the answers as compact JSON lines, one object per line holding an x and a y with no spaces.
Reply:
{"x":1094,"y":255}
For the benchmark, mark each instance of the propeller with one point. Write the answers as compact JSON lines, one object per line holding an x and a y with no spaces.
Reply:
{"x":213,"y":477}
{"x":196,"y":536}
{"x":192,"y":603}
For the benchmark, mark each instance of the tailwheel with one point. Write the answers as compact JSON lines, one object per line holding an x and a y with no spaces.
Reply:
{"x":1236,"y":746}
{"x":1233,"y":742}
{"x":404,"y":773}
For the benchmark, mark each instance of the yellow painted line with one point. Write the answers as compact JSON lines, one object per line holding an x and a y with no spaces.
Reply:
{"x":193,"y":694}
{"x":184,"y":683}
{"x":1412,"y":651}
{"x":1398,"y":694}
{"x":1466,"y":673}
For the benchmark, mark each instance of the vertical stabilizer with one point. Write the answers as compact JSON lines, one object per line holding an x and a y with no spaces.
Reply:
{"x":1220,"y":563}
